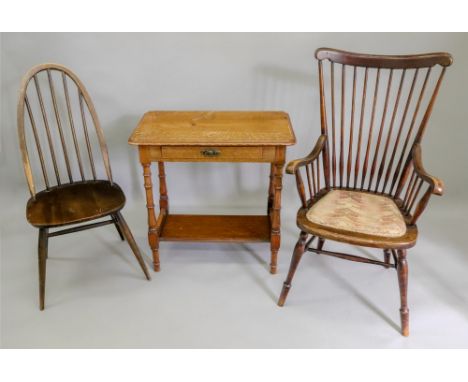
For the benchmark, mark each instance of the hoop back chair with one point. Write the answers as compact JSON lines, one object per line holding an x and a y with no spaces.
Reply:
{"x":364,"y":183}
{"x":55,"y":125}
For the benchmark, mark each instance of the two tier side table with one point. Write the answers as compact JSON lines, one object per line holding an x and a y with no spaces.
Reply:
{"x":203,"y":136}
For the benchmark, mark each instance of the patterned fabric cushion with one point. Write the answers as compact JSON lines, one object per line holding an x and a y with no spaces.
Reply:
{"x":359,"y":212}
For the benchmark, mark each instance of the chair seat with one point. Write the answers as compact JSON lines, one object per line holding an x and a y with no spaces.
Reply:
{"x":74,"y":203}
{"x":359,"y":212}
{"x":358,"y":218}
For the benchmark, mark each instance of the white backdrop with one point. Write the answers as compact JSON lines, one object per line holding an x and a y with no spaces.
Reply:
{"x":210,"y":295}
{"x":128,"y":74}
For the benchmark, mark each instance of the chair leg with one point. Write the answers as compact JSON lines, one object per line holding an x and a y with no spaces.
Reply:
{"x":296,"y":257}
{"x":131,"y":241}
{"x":118,"y":229}
{"x":320,"y":243}
{"x":42,"y":257}
{"x":402,"y":269}
{"x":387,"y":257}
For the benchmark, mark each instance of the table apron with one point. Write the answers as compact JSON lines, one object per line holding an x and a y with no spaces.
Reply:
{"x":265,"y":154}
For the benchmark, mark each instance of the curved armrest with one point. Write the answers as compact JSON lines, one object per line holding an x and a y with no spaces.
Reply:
{"x":412,"y":198}
{"x":292,"y":166}
{"x":437,"y":186}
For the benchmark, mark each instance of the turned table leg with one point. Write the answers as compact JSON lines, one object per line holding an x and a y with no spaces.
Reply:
{"x":163,"y":198}
{"x":275,"y":215}
{"x":153,"y":237}
{"x":270,"y":189}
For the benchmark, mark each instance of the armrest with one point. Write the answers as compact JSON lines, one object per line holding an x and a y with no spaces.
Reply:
{"x":437,"y":186}
{"x":414,"y":204}
{"x":292,"y":166}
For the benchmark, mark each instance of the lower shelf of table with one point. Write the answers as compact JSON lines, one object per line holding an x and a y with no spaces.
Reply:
{"x":216,"y":228}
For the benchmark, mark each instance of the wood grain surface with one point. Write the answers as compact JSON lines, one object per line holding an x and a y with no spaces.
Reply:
{"x":226,"y":128}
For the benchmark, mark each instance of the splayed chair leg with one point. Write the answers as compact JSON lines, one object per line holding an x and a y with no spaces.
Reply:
{"x":402,"y":269}
{"x":320,"y":243}
{"x":42,"y":257}
{"x":119,"y":231}
{"x":131,"y":242}
{"x":296,"y":257}
{"x":387,"y":257}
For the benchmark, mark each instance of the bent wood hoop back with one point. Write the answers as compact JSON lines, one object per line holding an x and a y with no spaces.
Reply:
{"x":374,"y":111}
{"x":59,"y":128}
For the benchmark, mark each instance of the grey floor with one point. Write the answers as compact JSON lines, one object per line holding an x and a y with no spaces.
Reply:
{"x":222,"y":296}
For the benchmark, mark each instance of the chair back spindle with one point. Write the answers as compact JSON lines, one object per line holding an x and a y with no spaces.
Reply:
{"x":47,"y":110}
{"x":382,"y":104}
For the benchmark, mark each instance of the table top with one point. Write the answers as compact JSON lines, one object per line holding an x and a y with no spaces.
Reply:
{"x":224,"y":128}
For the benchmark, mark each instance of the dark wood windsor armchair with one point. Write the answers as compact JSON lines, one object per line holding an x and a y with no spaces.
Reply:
{"x":76,"y":193}
{"x":365,"y":182}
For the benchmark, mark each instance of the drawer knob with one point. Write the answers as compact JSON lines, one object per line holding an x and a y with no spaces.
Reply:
{"x":210,"y":152}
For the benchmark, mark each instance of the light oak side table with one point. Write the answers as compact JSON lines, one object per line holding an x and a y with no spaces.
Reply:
{"x":201,"y":136}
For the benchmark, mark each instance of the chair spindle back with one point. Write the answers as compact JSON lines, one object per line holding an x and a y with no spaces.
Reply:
{"x":374,"y":109}
{"x":51,"y":98}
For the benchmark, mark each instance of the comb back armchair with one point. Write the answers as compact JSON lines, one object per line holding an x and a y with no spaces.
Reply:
{"x":364,"y":183}
{"x":73,"y":191}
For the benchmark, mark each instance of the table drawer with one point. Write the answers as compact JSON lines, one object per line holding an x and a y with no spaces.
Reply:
{"x":213,"y":153}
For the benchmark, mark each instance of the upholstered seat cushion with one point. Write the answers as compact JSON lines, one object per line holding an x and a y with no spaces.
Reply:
{"x":358,"y":212}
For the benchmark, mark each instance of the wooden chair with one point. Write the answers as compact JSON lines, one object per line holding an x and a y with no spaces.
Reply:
{"x":366,"y":184}
{"x":73,"y":192}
